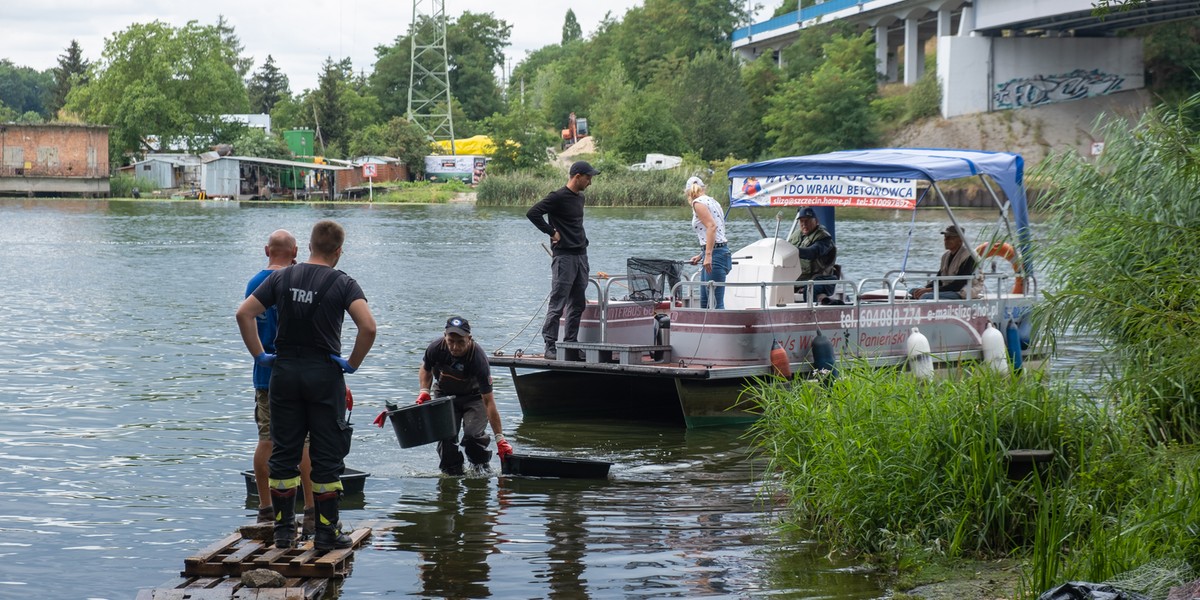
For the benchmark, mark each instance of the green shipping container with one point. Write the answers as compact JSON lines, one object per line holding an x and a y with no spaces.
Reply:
{"x":300,"y":141}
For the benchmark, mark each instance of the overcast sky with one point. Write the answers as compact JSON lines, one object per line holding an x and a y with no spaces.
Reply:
{"x":299,"y":34}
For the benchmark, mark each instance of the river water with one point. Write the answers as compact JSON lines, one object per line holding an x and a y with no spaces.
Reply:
{"x":128,"y":409}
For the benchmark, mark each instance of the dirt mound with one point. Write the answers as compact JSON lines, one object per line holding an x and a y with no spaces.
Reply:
{"x":1031,"y":132}
{"x":585,"y":145}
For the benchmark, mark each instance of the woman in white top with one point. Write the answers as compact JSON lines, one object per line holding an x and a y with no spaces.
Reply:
{"x":708,"y":220}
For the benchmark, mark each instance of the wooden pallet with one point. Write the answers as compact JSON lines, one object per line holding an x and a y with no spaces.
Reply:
{"x":225,"y":588}
{"x":215,"y":572}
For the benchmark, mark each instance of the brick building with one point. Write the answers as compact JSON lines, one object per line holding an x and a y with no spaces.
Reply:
{"x":54,"y":158}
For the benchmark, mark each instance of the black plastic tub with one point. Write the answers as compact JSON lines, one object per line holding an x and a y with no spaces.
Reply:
{"x":353,"y":481}
{"x":550,"y":466}
{"x":420,"y":424}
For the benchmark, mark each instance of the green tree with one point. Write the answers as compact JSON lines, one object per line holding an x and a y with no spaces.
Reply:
{"x":710,"y":106}
{"x":257,"y":142}
{"x":156,"y":80}
{"x":604,"y":114}
{"x":24,"y":89}
{"x":519,"y":143}
{"x":70,"y":72}
{"x":7,"y":115}
{"x":662,"y":33}
{"x":330,"y":114}
{"x":267,"y":87}
{"x":475,"y":43}
{"x":229,"y":37}
{"x":571,"y":31}
{"x":475,"y":47}
{"x":1172,"y":53}
{"x":397,"y":138}
{"x":803,"y":57}
{"x":760,"y":80}
{"x":831,"y":109}
{"x":645,"y":125}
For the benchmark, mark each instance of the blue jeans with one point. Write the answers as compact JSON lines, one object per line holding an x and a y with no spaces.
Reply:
{"x":722,"y":264}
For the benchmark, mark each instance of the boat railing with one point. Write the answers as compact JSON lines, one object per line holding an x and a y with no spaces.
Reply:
{"x":846,"y":291}
{"x":604,"y":295}
{"x":995,"y":284}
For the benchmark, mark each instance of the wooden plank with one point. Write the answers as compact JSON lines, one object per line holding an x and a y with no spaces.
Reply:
{"x":206,"y":554}
{"x":248,"y":548}
{"x":356,"y":538}
{"x":269,"y":557}
{"x":304,"y":557}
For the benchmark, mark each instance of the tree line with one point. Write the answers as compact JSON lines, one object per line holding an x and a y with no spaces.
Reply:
{"x":661,"y":78}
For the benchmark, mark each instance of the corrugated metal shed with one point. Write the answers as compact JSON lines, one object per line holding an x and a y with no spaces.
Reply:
{"x":223,"y":177}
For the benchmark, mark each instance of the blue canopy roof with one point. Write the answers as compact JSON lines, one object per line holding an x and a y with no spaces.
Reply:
{"x":932,"y":164}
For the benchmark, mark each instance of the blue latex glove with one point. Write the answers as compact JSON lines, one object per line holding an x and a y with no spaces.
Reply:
{"x":343,"y":363}
{"x":264,"y":360}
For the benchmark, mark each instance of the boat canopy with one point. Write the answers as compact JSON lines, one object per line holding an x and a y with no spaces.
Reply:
{"x":879,"y":178}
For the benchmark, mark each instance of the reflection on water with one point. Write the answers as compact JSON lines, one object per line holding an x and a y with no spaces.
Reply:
{"x":128,"y":410}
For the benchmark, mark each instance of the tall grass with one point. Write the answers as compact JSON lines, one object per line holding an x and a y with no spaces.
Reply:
{"x":1127,"y":229}
{"x":121,"y":185}
{"x":611,"y":188}
{"x":883,"y":465}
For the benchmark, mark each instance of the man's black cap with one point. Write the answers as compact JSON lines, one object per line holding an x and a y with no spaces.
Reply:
{"x":458,"y":325}
{"x":583,"y":168}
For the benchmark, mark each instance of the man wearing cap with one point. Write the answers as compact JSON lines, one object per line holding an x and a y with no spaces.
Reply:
{"x":569,"y":265}
{"x":455,"y":365}
{"x":957,"y":261}
{"x":818,"y":254}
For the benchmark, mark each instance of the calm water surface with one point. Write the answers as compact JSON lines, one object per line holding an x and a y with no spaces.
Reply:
{"x":127,"y":410}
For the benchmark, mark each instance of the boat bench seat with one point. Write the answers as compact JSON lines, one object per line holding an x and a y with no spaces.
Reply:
{"x":626,"y":354}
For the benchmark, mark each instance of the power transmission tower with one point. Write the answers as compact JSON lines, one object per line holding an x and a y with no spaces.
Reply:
{"x":429,"y":73}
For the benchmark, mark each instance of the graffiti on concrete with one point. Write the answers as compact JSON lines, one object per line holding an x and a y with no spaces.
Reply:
{"x":1035,"y":91}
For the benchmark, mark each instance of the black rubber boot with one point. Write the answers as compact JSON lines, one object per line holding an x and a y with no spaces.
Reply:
{"x":284,"y":502}
{"x":329,"y":535}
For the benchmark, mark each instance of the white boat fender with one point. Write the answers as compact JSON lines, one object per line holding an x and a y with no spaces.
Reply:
{"x":1013,"y":337}
{"x":994,"y":355}
{"x":920,"y":363}
{"x":822,"y":352}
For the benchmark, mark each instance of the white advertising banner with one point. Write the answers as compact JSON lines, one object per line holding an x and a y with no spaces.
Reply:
{"x":824,"y":190}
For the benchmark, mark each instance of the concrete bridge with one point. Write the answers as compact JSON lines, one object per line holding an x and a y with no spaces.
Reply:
{"x":991,"y":54}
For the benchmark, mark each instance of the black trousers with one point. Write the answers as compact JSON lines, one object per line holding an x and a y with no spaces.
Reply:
{"x":308,"y":398}
{"x":568,"y":293}
{"x":470,"y":419}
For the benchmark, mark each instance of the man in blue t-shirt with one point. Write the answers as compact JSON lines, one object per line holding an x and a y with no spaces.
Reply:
{"x":281,"y":253}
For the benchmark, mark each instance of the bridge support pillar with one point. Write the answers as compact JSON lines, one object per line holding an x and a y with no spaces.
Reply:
{"x":881,"y":52}
{"x":912,"y":52}
{"x":943,"y":22}
{"x":966,"y":20}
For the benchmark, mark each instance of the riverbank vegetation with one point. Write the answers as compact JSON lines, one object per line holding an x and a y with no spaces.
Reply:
{"x":908,"y":472}
{"x":658,"y":79}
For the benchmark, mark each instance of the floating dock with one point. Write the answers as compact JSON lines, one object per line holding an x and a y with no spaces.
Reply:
{"x":215,"y":573}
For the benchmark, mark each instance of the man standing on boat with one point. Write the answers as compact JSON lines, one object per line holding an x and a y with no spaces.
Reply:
{"x":569,"y":265}
{"x":957,"y":261}
{"x":455,"y":365}
{"x":308,"y":385}
{"x":281,"y":253}
{"x":818,"y":254}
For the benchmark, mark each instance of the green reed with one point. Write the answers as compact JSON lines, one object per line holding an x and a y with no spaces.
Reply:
{"x":879,"y":463}
{"x":613,"y":187}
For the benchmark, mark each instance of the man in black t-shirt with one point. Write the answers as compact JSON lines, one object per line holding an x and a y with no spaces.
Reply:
{"x":455,"y":365}
{"x":569,"y":266}
{"x":308,"y":386}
